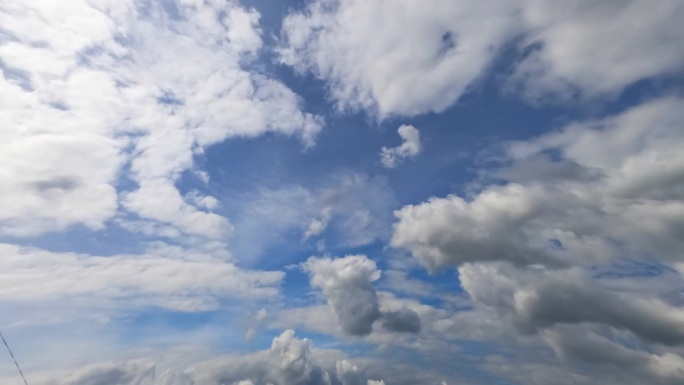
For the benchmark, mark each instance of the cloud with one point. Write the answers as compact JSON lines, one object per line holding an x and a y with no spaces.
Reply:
{"x":596,"y":350}
{"x":578,"y":230}
{"x":572,"y":300}
{"x":390,"y":157}
{"x":398,"y":280}
{"x":499,"y":224}
{"x":633,"y":197}
{"x":568,"y":243}
{"x":427,"y":71}
{"x":347,"y":286}
{"x":129,"y":373}
{"x":289,"y":361}
{"x":564,"y":52}
{"x":195,"y":281}
{"x":585,"y":320}
{"x":100,"y":93}
{"x":539,"y":299}
{"x":317,"y":226}
{"x":570,"y":57}
{"x":255,"y":323}
{"x":403,"y":321}
{"x":347,"y":209}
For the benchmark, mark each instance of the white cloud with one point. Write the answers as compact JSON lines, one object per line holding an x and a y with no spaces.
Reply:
{"x":317,"y":226}
{"x":194,"y":281}
{"x":93,"y":87}
{"x":394,"y":73}
{"x":634,"y":197}
{"x":397,"y":280}
{"x":202,"y":201}
{"x":579,"y":49}
{"x":410,"y":147}
{"x":590,"y":49}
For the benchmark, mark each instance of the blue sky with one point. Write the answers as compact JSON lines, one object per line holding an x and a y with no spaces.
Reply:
{"x":341,"y":192}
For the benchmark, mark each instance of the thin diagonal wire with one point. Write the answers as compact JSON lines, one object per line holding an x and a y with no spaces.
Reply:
{"x":13,"y":359}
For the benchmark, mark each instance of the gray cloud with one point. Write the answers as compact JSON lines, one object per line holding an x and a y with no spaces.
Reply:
{"x":57,"y":183}
{"x":501,"y":223}
{"x":586,"y":347}
{"x":347,"y":286}
{"x":574,"y":300}
{"x":403,"y":320}
{"x":537,"y":299}
{"x":541,"y":168}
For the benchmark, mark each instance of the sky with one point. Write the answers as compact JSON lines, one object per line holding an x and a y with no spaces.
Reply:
{"x":342,"y":192}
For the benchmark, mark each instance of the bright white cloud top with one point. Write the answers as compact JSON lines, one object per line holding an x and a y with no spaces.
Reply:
{"x":410,"y":147}
{"x":204,"y":192}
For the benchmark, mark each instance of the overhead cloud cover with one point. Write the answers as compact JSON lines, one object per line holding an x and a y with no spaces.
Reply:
{"x":342,"y":192}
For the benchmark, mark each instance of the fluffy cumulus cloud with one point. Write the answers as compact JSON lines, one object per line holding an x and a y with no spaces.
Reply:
{"x":632,"y":206}
{"x":577,"y":49}
{"x":347,"y":285}
{"x":99,"y":91}
{"x":289,"y":361}
{"x":410,"y":147}
{"x":545,"y":251}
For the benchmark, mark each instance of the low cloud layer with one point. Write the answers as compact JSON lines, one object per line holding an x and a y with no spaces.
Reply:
{"x":289,"y":361}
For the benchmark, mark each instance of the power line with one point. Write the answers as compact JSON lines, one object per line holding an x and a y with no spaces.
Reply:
{"x":13,"y":359}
